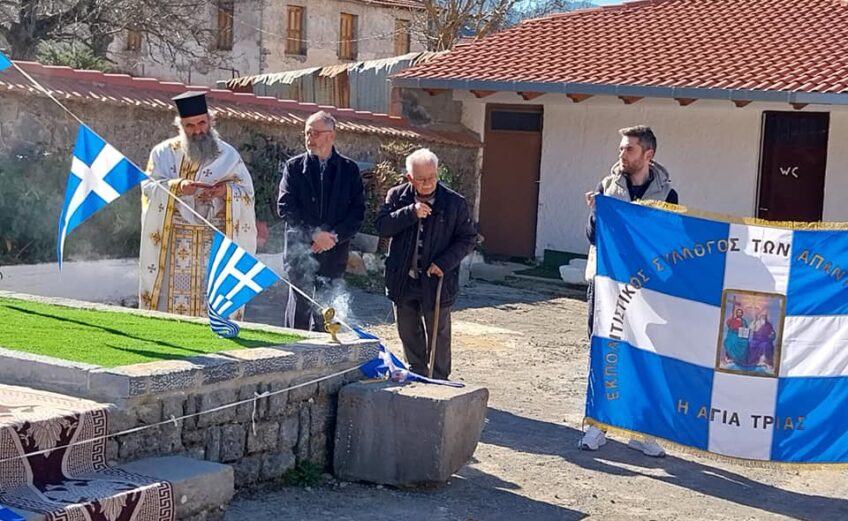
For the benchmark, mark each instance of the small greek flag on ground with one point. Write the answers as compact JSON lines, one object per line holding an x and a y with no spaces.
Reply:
{"x":720,"y":335}
{"x":234,"y":277}
{"x":387,"y":365}
{"x":99,"y":175}
{"x":5,"y":63}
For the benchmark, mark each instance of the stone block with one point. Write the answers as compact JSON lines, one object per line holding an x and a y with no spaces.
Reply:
{"x":121,"y":420}
{"x":264,"y":360}
{"x":406,"y":435}
{"x":149,"y":413}
{"x":244,"y":412}
{"x":170,"y":439}
{"x":173,"y":406}
{"x":276,"y":403}
{"x":215,"y":399}
{"x":232,"y":442}
{"x":321,"y":416}
{"x":275,"y":465}
{"x":247,"y":470}
{"x":302,"y":394}
{"x":103,"y":383}
{"x":213,"y":444}
{"x":265,"y":438}
{"x":199,"y":486}
{"x":336,"y":355}
{"x":331,"y":387}
{"x":289,"y":429}
{"x":193,"y":437}
{"x":215,"y":368}
{"x":301,"y":449}
{"x":319,"y":449}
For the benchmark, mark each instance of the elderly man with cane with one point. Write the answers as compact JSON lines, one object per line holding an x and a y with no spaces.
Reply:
{"x":431,"y":232}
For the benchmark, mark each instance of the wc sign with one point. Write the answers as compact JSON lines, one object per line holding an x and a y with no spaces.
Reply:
{"x":789,"y":170}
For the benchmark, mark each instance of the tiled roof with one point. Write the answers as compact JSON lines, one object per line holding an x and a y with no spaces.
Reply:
{"x":119,"y":89}
{"x":661,"y":46}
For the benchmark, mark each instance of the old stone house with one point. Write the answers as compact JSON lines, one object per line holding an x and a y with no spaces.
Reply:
{"x":257,"y":36}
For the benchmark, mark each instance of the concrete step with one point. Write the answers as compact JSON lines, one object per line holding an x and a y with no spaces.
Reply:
{"x":201,"y":489}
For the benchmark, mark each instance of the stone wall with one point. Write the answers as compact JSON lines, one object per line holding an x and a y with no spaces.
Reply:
{"x":261,"y":443}
{"x":425,"y":109}
{"x":34,"y":126}
{"x":31,"y":122}
{"x":261,"y":439}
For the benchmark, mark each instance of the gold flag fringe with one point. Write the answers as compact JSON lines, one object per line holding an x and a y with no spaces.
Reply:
{"x":721,"y":458}
{"x":750,"y":221}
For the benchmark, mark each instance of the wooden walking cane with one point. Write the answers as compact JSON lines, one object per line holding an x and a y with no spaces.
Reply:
{"x":436,"y":310}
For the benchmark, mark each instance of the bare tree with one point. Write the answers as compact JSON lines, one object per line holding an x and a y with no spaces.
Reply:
{"x":442,"y":23}
{"x":173,"y":29}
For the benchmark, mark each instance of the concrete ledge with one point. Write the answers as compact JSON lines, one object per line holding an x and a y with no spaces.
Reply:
{"x":118,"y":384}
{"x":199,"y":486}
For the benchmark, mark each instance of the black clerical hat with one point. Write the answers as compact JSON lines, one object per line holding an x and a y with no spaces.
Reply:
{"x":191,"y":104}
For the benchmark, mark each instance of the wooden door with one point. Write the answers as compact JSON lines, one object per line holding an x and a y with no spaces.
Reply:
{"x":509,"y":186}
{"x":792,"y":167}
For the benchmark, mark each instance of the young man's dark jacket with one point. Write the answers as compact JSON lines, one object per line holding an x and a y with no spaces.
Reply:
{"x":449,"y":235}
{"x":336,"y":205}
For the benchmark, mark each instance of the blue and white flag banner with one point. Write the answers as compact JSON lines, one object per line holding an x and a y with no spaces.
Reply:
{"x":234,"y":277}
{"x":99,"y":175}
{"x":725,"y":337}
{"x":387,"y":365}
{"x":5,"y":62}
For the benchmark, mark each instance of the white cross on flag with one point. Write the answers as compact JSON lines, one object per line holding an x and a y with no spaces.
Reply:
{"x":234,"y":277}
{"x":99,"y":175}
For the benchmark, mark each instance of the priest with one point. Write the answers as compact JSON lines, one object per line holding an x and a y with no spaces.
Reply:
{"x":195,"y":178}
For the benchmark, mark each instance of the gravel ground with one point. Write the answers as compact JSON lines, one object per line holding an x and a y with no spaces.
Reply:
{"x":527,"y":344}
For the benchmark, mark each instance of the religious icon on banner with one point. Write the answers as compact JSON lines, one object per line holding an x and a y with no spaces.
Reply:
{"x":751,"y":332}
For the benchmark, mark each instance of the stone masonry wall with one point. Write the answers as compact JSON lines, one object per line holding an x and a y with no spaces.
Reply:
{"x":36,"y":124}
{"x":261,"y":443}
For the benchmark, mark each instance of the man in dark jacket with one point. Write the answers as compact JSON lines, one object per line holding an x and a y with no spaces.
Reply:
{"x":322,"y":202}
{"x":431,"y":232}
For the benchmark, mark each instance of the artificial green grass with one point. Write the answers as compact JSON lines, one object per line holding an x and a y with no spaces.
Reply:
{"x":109,"y":339}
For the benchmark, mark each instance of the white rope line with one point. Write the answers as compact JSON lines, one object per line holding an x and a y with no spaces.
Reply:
{"x":174,"y":420}
{"x":158,"y":184}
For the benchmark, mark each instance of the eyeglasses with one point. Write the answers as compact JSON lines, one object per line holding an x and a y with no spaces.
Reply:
{"x":314,"y":133}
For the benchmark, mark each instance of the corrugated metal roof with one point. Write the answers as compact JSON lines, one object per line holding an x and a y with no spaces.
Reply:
{"x":362,"y":85}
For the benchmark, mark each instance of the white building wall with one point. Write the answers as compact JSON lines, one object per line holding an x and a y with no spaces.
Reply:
{"x":711,"y":149}
{"x":257,"y":52}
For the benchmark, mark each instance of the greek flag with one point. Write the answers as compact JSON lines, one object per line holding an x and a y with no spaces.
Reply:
{"x":722,"y":336}
{"x":234,"y":277}
{"x":99,"y":175}
{"x":387,"y":365}
{"x":5,"y":63}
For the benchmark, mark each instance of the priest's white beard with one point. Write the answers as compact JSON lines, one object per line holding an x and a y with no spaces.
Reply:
{"x":200,"y":148}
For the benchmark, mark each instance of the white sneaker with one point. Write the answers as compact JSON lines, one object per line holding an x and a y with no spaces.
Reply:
{"x":593,"y":439}
{"x":648,"y":447}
